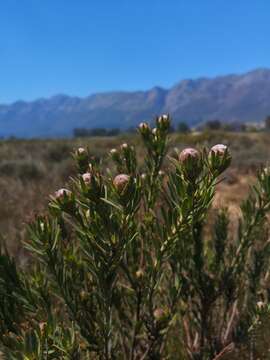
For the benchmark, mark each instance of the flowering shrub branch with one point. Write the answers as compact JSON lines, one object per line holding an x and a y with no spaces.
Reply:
{"x":122,"y":267}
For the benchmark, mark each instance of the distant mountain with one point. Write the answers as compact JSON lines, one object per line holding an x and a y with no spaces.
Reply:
{"x":241,"y":98}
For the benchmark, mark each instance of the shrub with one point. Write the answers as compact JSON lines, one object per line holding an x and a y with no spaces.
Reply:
{"x":183,"y":127}
{"x":23,"y":169}
{"x":121,"y":266}
{"x":58,"y":152}
{"x":213,"y":125}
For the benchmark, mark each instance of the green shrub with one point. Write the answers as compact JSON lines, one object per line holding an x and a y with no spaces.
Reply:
{"x":121,"y":267}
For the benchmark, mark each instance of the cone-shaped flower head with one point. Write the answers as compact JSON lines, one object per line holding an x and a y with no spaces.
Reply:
{"x":143,"y":126}
{"x":81,"y":151}
{"x":81,"y":157}
{"x":120,"y":182}
{"x":124,"y":146}
{"x":113,"y":151}
{"x":163,"y":122}
{"x":191,"y":162}
{"x":260,"y":305}
{"x":64,"y":200}
{"x":62,"y":194}
{"x":266,"y":170}
{"x":189,"y":153}
{"x":144,"y":129}
{"x":115,"y":155}
{"x":219,"y":149}
{"x":219,"y":158}
{"x":139,"y":274}
{"x":159,"y":314}
{"x":87,"y":178}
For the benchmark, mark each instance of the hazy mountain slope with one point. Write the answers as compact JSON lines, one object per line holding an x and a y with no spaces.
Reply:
{"x":229,"y":98}
{"x":240,"y":98}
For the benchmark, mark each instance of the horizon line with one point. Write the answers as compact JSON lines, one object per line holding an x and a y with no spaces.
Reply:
{"x":50,"y":97}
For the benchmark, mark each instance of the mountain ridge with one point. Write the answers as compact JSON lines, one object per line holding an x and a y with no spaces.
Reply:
{"x":233,"y":97}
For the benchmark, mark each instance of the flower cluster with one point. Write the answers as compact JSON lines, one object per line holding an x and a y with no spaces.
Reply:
{"x":191,"y":160}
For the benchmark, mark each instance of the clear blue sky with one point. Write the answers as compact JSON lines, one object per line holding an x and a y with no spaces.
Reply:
{"x":79,"y":47}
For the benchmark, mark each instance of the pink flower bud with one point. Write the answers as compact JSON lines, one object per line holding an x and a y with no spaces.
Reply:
{"x":143,"y":176}
{"x":87,"y":178}
{"x":144,"y":129}
{"x":159,"y":314}
{"x":189,"y":153}
{"x":264,"y":175}
{"x":260,"y":305}
{"x":62,"y":193}
{"x":81,"y":151}
{"x":113,"y":151}
{"x":124,"y":146}
{"x":121,"y":181}
{"x":163,"y":122}
{"x":115,"y":155}
{"x":219,"y":158}
{"x":219,"y":149}
{"x":42,"y":327}
{"x":81,"y":157}
{"x":164,"y":117}
{"x":143,"y":126}
{"x":139,"y":274}
{"x":42,"y":226}
{"x":191,"y":163}
{"x":64,"y":200}
{"x":161,"y":173}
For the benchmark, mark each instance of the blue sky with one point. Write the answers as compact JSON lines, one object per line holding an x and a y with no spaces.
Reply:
{"x":79,"y":47}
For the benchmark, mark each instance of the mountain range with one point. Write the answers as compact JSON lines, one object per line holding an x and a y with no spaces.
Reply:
{"x":231,"y":98}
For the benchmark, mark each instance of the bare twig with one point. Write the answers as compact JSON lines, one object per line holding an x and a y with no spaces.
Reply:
{"x":226,"y":350}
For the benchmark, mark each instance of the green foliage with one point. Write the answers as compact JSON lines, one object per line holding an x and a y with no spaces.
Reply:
{"x":122,"y":267}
